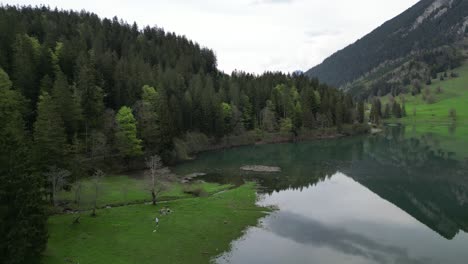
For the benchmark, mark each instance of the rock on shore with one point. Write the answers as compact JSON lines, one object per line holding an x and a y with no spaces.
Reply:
{"x":261,"y":168}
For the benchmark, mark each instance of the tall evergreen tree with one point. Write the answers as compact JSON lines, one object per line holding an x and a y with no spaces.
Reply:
{"x":49,"y":134}
{"x":66,"y":101}
{"x":22,"y":213}
{"x":360,"y":112}
{"x":146,"y":115}
{"x":91,"y":94}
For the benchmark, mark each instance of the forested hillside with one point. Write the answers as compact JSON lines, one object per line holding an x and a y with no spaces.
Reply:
{"x":421,"y":33}
{"x":77,"y":90}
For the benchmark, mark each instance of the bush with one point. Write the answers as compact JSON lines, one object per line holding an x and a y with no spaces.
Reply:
{"x":428,"y":96}
{"x":286,"y":126}
{"x":356,"y":129}
{"x":181,"y":149}
{"x":454,"y":75}
{"x":258,"y":134}
{"x":453,"y":113}
{"x":195,"y":191}
{"x":196,"y":142}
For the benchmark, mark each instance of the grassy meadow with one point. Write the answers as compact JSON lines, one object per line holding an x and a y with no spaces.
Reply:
{"x":453,"y":95}
{"x":432,"y":119}
{"x":122,"y":189}
{"x":197,"y":230}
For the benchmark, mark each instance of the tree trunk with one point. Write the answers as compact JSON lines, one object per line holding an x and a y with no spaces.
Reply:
{"x":153,"y":195}
{"x":54,"y":199}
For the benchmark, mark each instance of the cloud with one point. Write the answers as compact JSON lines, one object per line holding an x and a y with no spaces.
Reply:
{"x":308,"y":231}
{"x":253,"y":35}
{"x":322,"y":32}
{"x":258,"y":2}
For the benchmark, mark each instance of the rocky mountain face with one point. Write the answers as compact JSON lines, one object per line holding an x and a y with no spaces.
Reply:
{"x":428,"y":26}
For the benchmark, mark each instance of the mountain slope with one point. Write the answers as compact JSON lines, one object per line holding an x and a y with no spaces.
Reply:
{"x":426,"y":25}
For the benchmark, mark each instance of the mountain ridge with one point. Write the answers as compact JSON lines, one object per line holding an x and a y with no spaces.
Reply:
{"x":427,"y":25}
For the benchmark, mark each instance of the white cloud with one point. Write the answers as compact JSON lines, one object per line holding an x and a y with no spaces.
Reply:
{"x":253,"y":35}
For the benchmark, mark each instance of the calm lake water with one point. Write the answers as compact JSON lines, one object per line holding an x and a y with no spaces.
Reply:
{"x":391,"y":198}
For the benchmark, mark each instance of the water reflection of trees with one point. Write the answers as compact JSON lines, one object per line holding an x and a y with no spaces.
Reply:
{"x":418,"y":177}
{"x":415,"y":174}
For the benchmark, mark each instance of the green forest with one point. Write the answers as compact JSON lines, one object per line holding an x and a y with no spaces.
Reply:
{"x":78,"y":91}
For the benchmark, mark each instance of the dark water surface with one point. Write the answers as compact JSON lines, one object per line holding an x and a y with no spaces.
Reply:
{"x":390,"y":198}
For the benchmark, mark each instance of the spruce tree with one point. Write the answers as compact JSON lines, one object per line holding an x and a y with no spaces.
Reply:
{"x":360,"y":112}
{"x":145,"y":113}
{"x":49,"y":134}
{"x":23,"y":219}
{"x":65,"y":100}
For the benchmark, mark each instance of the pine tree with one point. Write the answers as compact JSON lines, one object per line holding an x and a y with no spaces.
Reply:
{"x":226,"y":116}
{"x":26,"y":53}
{"x":65,"y":100}
{"x":339,"y":112}
{"x":396,"y":110}
{"x":91,"y":94}
{"x":376,"y":111}
{"x":386,"y":113}
{"x":360,"y":112}
{"x":23,"y":219}
{"x":166,"y":130}
{"x":145,"y":113}
{"x":49,"y":134}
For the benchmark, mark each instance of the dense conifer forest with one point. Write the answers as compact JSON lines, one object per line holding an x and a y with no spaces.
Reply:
{"x":75,"y":89}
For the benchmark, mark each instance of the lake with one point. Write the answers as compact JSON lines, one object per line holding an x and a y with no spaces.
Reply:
{"x":397,"y":197}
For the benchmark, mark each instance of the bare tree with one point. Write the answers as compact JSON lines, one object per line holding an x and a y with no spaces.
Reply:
{"x":154,"y":165}
{"x":453,"y":114}
{"x":57,"y":178}
{"x":97,"y":177}
{"x":78,"y":188}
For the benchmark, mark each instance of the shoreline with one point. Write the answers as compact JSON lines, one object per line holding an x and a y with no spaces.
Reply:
{"x":276,"y":138}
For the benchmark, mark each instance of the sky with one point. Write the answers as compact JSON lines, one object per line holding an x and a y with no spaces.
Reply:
{"x":252,"y":35}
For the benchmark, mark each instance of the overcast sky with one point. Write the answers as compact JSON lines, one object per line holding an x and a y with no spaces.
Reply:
{"x":253,"y":35}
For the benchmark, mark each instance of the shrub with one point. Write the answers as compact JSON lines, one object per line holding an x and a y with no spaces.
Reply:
{"x":428,"y":96}
{"x":430,"y":99}
{"x":181,"y":149}
{"x":453,"y":113}
{"x":196,"y":191}
{"x":196,"y":142}
{"x":356,"y":129}
{"x":286,"y":126}
{"x":258,"y":134}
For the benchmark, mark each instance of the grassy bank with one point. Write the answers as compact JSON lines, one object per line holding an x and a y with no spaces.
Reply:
{"x":453,"y":94}
{"x":193,"y":143}
{"x":121,"y":189}
{"x":197,"y":230}
{"x":447,"y":138}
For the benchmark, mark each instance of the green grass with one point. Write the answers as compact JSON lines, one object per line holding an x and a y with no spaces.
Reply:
{"x":118,"y":190}
{"x":197,"y":230}
{"x":433,"y":121}
{"x":454,"y":95}
{"x":448,"y":138}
